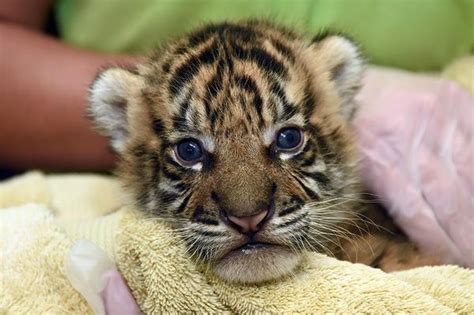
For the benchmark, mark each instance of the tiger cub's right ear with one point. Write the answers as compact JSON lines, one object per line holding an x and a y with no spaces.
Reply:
{"x":109,"y":96}
{"x":340,"y":58}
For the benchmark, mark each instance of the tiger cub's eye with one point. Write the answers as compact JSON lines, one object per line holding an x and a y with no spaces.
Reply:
{"x":189,"y":150}
{"x":289,"y":139}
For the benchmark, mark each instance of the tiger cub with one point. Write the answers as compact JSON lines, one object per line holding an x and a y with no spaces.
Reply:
{"x":239,"y":136}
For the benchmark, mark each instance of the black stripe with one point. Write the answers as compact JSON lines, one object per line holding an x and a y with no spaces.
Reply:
{"x":197,"y":216}
{"x":289,"y":210}
{"x":170,"y":175}
{"x":183,"y":204}
{"x":211,"y":114}
{"x":313,"y":195}
{"x":207,"y":107}
{"x":158,"y":126}
{"x":166,"y":67}
{"x":180,"y":122}
{"x":297,"y":204}
{"x":249,"y":85}
{"x":155,"y":159}
{"x":208,"y":221}
{"x":273,"y":189}
{"x":239,"y":52}
{"x":296,"y":199}
{"x":208,"y":162}
{"x":278,"y":91}
{"x":180,"y":170}
{"x":227,"y":54}
{"x":167,"y":197}
{"x":202,"y":36}
{"x":289,"y":110}
{"x":257,"y":101}
{"x":309,"y":104}
{"x":317,"y":176}
{"x":293,"y":221}
{"x":272,"y":151}
{"x":284,"y":50}
{"x":184,"y":106}
{"x":249,"y":117}
{"x":191,"y":67}
{"x":198,"y":212}
{"x":182,"y":187}
{"x":323,"y":145}
{"x":310,"y":160}
{"x":181,"y":50}
{"x":215,"y":197}
{"x":139,"y":151}
{"x":263,"y":60}
{"x":267,"y":62}
{"x":243,"y":33}
{"x":214,"y":86}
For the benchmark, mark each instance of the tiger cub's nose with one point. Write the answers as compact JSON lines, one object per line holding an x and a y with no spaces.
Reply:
{"x":248,"y":224}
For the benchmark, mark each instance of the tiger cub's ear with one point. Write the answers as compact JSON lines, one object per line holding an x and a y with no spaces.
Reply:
{"x":341,"y":60}
{"x":109,"y":96}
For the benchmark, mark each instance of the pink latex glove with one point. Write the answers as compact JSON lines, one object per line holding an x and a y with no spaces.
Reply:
{"x":118,"y":299}
{"x":416,"y":136}
{"x":94,"y":275}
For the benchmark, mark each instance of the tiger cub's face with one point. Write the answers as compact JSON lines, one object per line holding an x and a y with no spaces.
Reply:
{"x":238,"y":136}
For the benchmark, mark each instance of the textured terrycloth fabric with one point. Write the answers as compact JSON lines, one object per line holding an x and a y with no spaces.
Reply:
{"x":35,"y":244}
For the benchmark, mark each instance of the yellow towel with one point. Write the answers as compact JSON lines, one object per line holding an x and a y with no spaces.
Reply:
{"x":34,"y":244}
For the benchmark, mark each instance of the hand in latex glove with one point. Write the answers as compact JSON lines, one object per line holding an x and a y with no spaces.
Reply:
{"x":93,"y":274}
{"x":416,"y":136}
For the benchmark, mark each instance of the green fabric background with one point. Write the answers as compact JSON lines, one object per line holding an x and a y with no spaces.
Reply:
{"x":411,"y":34}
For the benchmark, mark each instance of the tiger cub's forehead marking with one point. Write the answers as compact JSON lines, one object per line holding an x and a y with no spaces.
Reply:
{"x":234,"y":82}
{"x":209,"y":56}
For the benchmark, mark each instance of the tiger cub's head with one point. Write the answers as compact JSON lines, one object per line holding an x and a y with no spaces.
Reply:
{"x":238,"y":136}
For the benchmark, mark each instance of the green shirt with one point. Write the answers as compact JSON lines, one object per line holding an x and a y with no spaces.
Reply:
{"x":413,"y":34}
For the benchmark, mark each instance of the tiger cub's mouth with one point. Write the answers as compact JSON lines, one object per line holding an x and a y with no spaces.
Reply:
{"x":255,"y":262}
{"x":250,"y":247}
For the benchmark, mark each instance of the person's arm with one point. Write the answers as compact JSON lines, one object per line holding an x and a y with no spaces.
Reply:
{"x":43,"y":88}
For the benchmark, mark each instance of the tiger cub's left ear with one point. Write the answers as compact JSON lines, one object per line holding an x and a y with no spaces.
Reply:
{"x":340,"y":58}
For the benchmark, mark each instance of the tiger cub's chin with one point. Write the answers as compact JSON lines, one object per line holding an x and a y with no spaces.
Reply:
{"x":255,"y":264}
